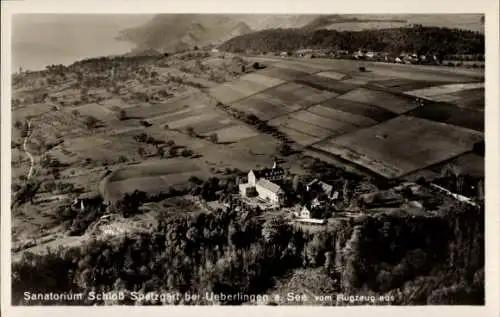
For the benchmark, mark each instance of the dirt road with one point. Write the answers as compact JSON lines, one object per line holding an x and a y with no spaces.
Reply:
{"x":25,"y":148}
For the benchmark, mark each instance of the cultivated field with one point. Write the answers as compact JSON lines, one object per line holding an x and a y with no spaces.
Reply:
{"x":332,"y":75}
{"x":262,"y":107}
{"x":299,"y":137}
{"x":444,"y":89}
{"x":298,"y":95}
{"x":235,"y":133}
{"x":332,"y":113}
{"x":401,"y":84}
{"x":245,"y":86}
{"x":326,"y":83}
{"x":472,"y":98}
{"x":281,"y":99}
{"x":151,"y":177}
{"x":285,"y":74}
{"x":401,"y":145}
{"x":301,"y":126}
{"x":372,"y":112}
{"x":451,"y":114}
{"x":391,"y":102}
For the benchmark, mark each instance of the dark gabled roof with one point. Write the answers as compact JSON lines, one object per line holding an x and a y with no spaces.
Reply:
{"x":269,"y":172}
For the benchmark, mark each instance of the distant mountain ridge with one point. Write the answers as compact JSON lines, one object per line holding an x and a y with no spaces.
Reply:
{"x":165,"y":32}
{"x":180,"y":31}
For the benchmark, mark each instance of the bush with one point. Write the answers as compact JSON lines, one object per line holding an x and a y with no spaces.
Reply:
{"x":190,"y":131}
{"x":122,"y":115}
{"x":214,"y":138}
{"x":15,"y":187}
{"x":91,"y":122}
{"x":186,"y":153}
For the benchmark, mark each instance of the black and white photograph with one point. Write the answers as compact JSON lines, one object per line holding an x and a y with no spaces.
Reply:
{"x":246,"y":159}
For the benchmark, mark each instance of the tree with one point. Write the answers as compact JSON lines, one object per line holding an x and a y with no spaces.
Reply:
{"x":480,"y":190}
{"x":272,"y":229}
{"x":170,"y":143}
{"x":243,"y":68}
{"x":160,"y":152}
{"x":141,"y":152}
{"x":172,"y":152}
{"x":296,"y":183}
{"x":190,"y":131}
{"x":186,"y":152}
{"x":284,"y":149}
{"x":122,"y":115}
{"x":75,"y":113}
{"x":91,"y":122}
{"x":214,"y":138}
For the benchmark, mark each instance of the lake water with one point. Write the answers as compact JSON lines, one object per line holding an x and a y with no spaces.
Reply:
{"x":39,"y":40}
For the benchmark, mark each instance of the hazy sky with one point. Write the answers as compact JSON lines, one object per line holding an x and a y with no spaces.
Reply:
{"x":42,"y":39}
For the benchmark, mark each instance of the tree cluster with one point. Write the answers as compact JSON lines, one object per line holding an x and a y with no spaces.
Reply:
{"x":419,"y":39}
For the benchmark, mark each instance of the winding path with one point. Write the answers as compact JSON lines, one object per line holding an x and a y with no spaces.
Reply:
{"x":31,"y":157}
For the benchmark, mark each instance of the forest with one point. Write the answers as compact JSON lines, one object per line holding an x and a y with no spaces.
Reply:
{"x":418,"y":39}
{"x":422,"y":260}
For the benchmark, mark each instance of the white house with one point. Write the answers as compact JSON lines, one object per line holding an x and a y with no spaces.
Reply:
{"x":316,"y":184}
{"x":370,"y":55}
{"x":270,"y":191}
{"x":260,"y":182}
{"x":305,"y":213}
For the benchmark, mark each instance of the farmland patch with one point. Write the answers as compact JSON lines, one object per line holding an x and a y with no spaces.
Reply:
{"x":210,"y":126}
{"x":391,"y":102}
{"x":152,"y":111}
{"x":469,"y":164}
{"x":354,"y":119}
{"x":226,"y":94}
{"x":192,"y":120}
{"x":154,"y":168}
{"x":246,"y":87}
{"x":260,"y":107}
{"x":444,"y":89}
{"x":309,"y":68}
{"x":172,"y":116}
{"x":451,"y":114}
{"x":332,"y":75}
{"x":297,"y":95}
{"x":323,"y":122}
{"x":32,"y":110}
{"x":92,"y":109}
{"x":285,"y":74}
{"x":402,"y":145}
{"x":301,"y":126}
{"x":473,"y":98}
{"x":298,"y":137}
{"x":116,"y":102}
{"x":402,"y":84}
{"x":325,"y":83}
{"x":262,"y":79}
{"x":235,"y":133}
{"x":370,"y":111}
